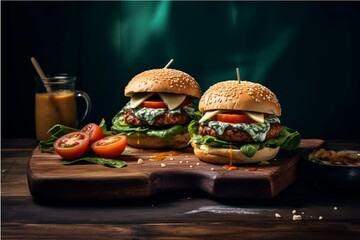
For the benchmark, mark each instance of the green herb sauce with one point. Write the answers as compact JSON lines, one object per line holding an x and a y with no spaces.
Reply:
{"x":256,"y":130}
{"x":149,"y":114}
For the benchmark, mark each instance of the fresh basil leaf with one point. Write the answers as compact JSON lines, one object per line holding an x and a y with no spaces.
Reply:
{"x":103,"y":126}
{"x":100,"y":161}
{"x":293,"y":139}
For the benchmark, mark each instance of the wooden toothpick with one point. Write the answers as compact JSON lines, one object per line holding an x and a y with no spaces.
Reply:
{"x":238,"y":75}
{"x":169,"y":63}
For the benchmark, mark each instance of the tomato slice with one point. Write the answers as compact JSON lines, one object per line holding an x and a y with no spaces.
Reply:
{"x":154,"y":104}
{"x":95,"y":132}
{"x":160,"y":104}
{"x":110,"y":147}
{"x":233,"y":118}
{"x":186,"y":101}
{"x":72,"y":145}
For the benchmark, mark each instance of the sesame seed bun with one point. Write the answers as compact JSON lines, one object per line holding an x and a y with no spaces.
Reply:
{"x":222,"y":155}
{"x":243,"y":96}
{"x":143,"y":141}
{"x":165,"y":80}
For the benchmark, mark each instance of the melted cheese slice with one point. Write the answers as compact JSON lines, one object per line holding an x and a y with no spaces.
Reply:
{"x":138,"y":99}
{"x":172,"y":100}
{"x":259,"y":117}
{"x":208,"y":115}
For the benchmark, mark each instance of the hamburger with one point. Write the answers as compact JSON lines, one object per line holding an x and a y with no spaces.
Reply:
{"x":160,"y":109}
{"x":240,"y":124}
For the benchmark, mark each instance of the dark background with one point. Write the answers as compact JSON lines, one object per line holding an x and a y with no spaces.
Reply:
{"x":306,"y":52}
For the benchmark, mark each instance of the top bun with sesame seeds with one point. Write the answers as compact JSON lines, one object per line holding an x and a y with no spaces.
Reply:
{"x":243,"y":96}
{"x":164,"y":80}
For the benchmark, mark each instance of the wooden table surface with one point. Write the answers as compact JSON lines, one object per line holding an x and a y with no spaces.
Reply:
{"x":327,"y":212}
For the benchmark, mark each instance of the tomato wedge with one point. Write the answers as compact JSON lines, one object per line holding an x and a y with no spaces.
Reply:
{"x":110,"y":147}
{"x":233,"y":118}
{"x":72,"y":145}
{"x":95,"y":132}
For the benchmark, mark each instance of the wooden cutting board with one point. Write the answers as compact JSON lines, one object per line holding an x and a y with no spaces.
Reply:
{"x":49,"y":179}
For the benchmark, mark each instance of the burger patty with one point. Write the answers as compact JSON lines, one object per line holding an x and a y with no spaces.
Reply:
{"x":162,"y":120}
{"x":235,"y":135}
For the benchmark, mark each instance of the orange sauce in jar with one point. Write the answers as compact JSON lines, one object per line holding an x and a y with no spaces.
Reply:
{"x":57,"y":107}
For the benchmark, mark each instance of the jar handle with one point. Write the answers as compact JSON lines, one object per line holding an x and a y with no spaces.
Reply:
{"x":88,"y":105}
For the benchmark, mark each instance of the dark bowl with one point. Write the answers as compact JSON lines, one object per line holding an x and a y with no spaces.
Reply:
{"x":336,"y":175}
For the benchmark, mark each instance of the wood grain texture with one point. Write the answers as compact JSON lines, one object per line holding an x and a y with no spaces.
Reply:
{"x":49,"y":179}
{"x":269,"y":230}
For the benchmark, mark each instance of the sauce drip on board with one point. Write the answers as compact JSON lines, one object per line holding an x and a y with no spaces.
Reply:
{"x":251,"y":169}
{"x":230,"y":166}
{"x":162,"y":155}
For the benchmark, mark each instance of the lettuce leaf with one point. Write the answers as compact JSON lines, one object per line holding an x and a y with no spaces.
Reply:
{"x":167,"y":133}
{"x":289,"y":139}
{"x":119,"y":126}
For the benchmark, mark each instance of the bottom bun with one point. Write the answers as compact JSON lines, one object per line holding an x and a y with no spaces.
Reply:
{"x":222,"y":155}
{"x":143,"y":141}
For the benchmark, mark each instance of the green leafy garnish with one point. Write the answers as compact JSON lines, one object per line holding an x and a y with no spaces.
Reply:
{"x":103,"y":126}
{"x":100,"y":161}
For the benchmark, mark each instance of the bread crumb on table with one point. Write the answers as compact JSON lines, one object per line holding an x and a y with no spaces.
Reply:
{"x":297,"y":217}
